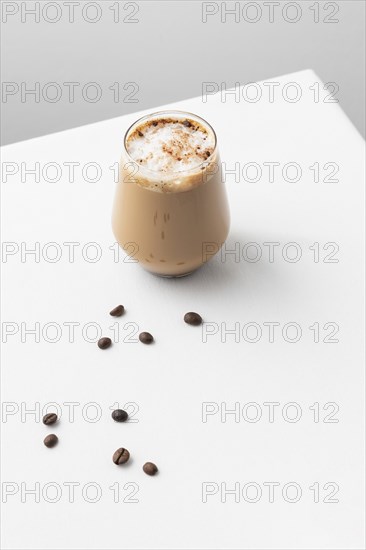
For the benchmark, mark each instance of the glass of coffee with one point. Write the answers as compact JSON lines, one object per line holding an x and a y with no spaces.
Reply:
{"x":170,"y":210}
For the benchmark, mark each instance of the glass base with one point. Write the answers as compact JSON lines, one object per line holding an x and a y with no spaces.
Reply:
{"x":175,"y":276}
{"x":169,"y":276}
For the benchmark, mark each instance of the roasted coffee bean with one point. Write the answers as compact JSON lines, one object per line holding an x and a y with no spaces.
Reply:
{"x":117,"y":311}
{"x":150,"y":468}
{"x":193,"y":318}
{"x":104,"y":342}
{"x":50,"y":440}
{"x":49,"y":418}
{"x":121,"y":456}
{"x":119,"y":415}
{"x":146,"y":338}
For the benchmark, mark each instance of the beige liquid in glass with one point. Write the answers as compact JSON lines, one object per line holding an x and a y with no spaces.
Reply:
{"x":170,"y":210}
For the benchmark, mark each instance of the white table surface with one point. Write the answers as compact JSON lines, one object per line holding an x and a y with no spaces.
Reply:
{"x":170,"y":380}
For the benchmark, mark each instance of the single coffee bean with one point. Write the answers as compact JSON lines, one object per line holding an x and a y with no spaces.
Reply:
{"x":146,"y":338}
{"x":104,"y":342}
{"x":193,"y":318}
{"x":50,"y":440}
{"x":120,"y":456}
{"x":150,"y":468}
{"x":117,"y":311}
{"x":49,"y":418}
{"x":119,"y":415}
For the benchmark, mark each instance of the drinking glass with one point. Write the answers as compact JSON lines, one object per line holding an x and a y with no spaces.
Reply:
{"x":170,"y":222}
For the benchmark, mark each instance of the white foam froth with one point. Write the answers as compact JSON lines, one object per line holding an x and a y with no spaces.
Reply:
{"x":170,"y":145}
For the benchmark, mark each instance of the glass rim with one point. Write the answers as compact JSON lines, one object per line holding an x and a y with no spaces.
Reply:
{"x":170,"y":112}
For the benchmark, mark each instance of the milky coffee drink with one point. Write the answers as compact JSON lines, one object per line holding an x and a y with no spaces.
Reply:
{"x":170,"y":210}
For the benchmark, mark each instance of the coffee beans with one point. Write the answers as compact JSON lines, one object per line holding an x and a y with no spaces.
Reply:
{"x":150,"y":468}
{"x":49,"y":418}
{"x":119,"y":415}
{"x":192,"y":318}
{"x":117,"y":311}
{"x":146,"y":338}
{"x":50,"y":440}
{"x":121,"y":456}
{"x":104,"y":343}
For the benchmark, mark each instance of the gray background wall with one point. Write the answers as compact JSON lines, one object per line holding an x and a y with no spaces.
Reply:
{"x":168,"y":52}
